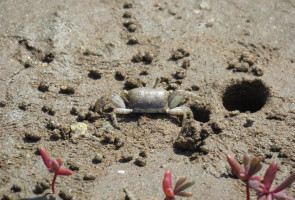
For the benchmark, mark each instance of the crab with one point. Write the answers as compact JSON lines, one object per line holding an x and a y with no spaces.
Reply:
{"x":149,"y":100}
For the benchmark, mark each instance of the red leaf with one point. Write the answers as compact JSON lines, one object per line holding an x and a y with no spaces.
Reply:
{"x":167,"y":184}
{"x":59,"y":161}
{"x":64,"y":172}
{"x":270,"y":174}
{"x":236,"y":167}
{"x":54,"y":163}
{"x":46,"y":158}
{"x":286,"y":183}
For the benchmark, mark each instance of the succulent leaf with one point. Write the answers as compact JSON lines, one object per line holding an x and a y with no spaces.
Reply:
{"x":255,"y":166}
{"x":289,"y":180}
{"x":185,"y":194}
{"x":167,"y":184}
{"x":45,"y":157}
{"x":183,"y":187}
{"x":235,"y":166}
{"x":270,"y":175}
{"x":179,"y":182}
{"x":246,"y":162}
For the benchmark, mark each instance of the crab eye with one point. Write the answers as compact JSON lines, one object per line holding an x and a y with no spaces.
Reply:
{"x":174,"y":100}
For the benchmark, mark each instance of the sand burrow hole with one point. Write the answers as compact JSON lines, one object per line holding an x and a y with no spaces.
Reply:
{"x":245,"y":96}
{"x":201,"y":113}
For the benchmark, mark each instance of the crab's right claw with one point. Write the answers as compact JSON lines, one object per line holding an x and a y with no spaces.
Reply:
{"x":117,"y":101}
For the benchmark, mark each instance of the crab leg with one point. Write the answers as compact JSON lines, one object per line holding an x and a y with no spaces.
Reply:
{"x":184,"y":111}
{"x":156,"y":83}
{"x":122,"y":111}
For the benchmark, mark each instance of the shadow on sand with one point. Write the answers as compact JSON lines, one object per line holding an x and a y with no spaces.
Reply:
{"x":46,"y":196}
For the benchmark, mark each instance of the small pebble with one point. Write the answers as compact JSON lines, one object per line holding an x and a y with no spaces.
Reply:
{"x":126,"y":157}
{"x":284,"y":154}
{"x":132,"y":40}
{"x":195,"y":88}
{"x":127,"y":5}
{"x":53,"y":124}
{"x":132,"y":28}
{"x":23,"y":106}
{"x":2,"y":104}
{"x":257,"y":71}
{"x":74,"y":111}
{"x":129,"y":22}
{"x":127,"y":14}
{"x":73,"y":166}
{"x":67,"y":90}
{"x":180,"y":74}
{"x":276,"y":48}
{"x":172,"y":86}
{"x":162,"y":7}
{"x":56,"y":134}
{"x":147,"y":57}
{"x":143,"y":153}
{"x":120,"y":75}
{"x":131,"y":83}
{"x":292,"y":60}
{"x":6,"y":197}
{"x":78,"y":130}
{"x":275,"y":148}
{"x":32,"y":136}
{"x":28,"y":64}
{"x":16,"y":188}
{"x":179,"y":53}
{"x":246,"y":32}
{"x":186,"y":63}
{"x":41,"y":186}
{"x":98,"y":158}
{"x":141,"y":162}
{"x":48,"y":110}
{"x":119,"y":142}
{"x":241,"y":67}
{"x":204,"y":5}
{"x":267,"y":155}
{"x":248,"y":58}
{"x":88,"y":177}
{"x":217,"y":127}
{"x":48,"y":58}
{"x":82,"y":115}
{"x":137,"y":57}
{"x":65,"y":194}
{"x":144,"y":73}
{"x":172,"y":11}
{"x":108,"y":138}
{"x":209,"y":24}
{"x":94,"y":74}
{"x":64,"y":131}
{"x":43,"y":87}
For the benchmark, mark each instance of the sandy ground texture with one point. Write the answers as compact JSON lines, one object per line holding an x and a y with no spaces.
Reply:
{"x":60,"y":61}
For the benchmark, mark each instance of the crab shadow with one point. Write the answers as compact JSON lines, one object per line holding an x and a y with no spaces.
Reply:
{"x":46,"y":196}
{"x":137,"y":117}
{"x":182,"y":152}
{"x":191,"y":154}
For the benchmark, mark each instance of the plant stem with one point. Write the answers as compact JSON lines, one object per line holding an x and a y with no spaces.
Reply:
{"x":248,"y":190}
{"x":53,"y":181}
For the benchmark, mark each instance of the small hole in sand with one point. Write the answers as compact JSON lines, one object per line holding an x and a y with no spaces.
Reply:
{"x":201,"y":114}
{"x":245,"y":96}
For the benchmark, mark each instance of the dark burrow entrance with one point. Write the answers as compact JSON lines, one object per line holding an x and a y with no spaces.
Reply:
{"x":245,"y":96}
{"x":201,"y":114}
